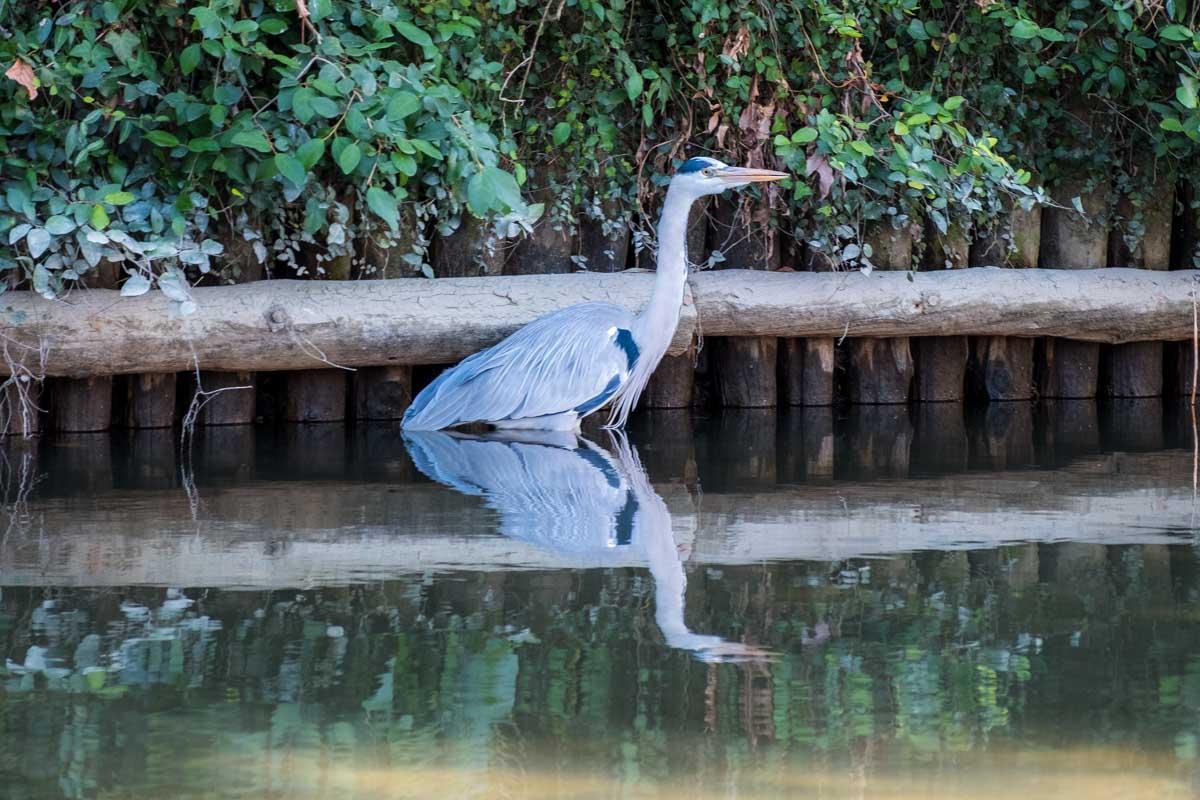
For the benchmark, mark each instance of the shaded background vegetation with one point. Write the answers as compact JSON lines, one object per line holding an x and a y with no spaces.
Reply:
{"x":350,"y":137}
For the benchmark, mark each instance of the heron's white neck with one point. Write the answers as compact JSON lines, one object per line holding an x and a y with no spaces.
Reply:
{"x":655,"y":326}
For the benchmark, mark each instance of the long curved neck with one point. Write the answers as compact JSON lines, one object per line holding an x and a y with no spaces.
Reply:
{"x":656,"y":324}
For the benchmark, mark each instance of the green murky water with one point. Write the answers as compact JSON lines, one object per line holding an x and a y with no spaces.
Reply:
{"x":872,"y":603}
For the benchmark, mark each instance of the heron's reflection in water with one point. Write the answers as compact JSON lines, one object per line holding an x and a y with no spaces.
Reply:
{"x":563,"y":493}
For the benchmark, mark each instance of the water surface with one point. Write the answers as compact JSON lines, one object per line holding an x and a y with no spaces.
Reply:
{"x":871,"y":603}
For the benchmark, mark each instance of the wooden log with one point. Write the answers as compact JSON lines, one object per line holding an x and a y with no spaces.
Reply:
{"x":382,"y":392}
{"x":473,"y":249}
{"x":150,"y":400}
{"x":881,"y":370}
{"x":672,"y":384}
{"x":20,"y":408}
{"x":274,"y":325}
{"x":1073,"y":241}
{"x":1003,"y":367}
{"x":81,"y":404}
{"x":806,"y":371}
{"x":744,"y":368}
{"x":745,"y":371}
{"x":315,"y":395}
{"x":231,"y":398}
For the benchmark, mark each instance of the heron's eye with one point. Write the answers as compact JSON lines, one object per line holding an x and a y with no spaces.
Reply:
{"x":708,"y":172}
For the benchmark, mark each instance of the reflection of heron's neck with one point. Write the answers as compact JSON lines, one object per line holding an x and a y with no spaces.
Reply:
{"x":662,"y":557}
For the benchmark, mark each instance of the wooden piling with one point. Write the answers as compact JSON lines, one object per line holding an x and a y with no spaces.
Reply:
{"x":940,"y":362}
{"x":1135,"y":369}
{"x":744,"y":368}
{"x":150,"y":400}
{"x":231,"y":400}
{"x":806,"y":371}
{"x":385,"y":253}
{"x":1071,"y":241}
{"x":81,"y":404}
{"x":315,"y":395}
{"x":672,"y":384}
{"x":382,"y":393}
{"x":881,"y":370}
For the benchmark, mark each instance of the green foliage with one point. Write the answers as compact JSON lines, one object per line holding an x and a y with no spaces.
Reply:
{"x":160,"y":133}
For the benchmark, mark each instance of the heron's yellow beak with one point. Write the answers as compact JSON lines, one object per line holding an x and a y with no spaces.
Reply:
{"x":740,"y":175}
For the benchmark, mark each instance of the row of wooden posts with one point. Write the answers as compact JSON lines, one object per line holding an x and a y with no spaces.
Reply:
{"x":732,"y":371}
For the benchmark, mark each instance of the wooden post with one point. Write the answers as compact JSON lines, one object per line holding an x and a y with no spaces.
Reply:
{"x":472,"y":250}
{"x":1135,"y":369}
{"x":806,"y":371}
{"x":81,"y":404}
{"x":316,"y":395}
{"x":150,"y":400}
{"x":940,"y":362}
{"x":744,"y":368}
{"x":881,"y":370}
{"x":672,"y":383}
{"x":1069,"y":241}
{"x":382,"y":392}
{"x":232,"y":398}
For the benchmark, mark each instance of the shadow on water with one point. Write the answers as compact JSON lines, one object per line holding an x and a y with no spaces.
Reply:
{"x":998,"y":603}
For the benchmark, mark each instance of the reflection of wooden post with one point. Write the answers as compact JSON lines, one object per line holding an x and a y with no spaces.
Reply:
{"x":382,"y":392}
{"x":1004,"y":438}
{"x":940,"y":362}
{"x":881,"y":370}
{"x":878,"y":442}
{"x":805,"y":447}
{"x":225,"y":451}
{"x":939,"y":438}
{"x":150,"y":400}
{"x":1132,"y":424}
{"x":1182,"y":366}
{"x":1135,"y":369}
{"x":81,"y":404}
{"x":1072,"y":429}
{"x":1069,"y":241}
{"x":749,"y":434}
{"x":744,"y":367}
{"x":666,"y":444}
{"x":316,"y":395}
{"x":150,"y":461}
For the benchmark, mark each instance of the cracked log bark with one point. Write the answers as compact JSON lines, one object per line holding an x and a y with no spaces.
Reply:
{"x":1136,"y":369}
{"x":1069,"y":241}
{"x":282,"y":325}
{"x":881,"y":370}
{"x":744,"y":367}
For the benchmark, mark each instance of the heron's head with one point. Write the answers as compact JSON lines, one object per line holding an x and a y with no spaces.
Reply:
{"x":703,"y":175}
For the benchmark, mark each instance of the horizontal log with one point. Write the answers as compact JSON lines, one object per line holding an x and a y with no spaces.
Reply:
{"x":285,"y":325}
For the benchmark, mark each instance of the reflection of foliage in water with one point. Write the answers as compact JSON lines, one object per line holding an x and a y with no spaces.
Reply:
{"x":915,"y":659}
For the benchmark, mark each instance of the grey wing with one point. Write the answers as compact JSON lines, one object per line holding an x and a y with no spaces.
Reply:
{"x":571,"y":360}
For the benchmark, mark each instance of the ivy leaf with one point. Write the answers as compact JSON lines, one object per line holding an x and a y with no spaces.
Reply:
{"x":135,"y":285}
{"x":189,"y":59}
{"x":162,"y":138}
{"x":1186,"y":93}
{"x":119,"y":198}
{"x":59,"y":225}
{"x":349,"y":157}
{"x":633,"y":85}
{"x":99,"y":217}
{"x":302,"y":105}
{"x":952,"y":103}
{"x":290,"y":167}
{"x":255,"y":140}
{"x":1176,"y":33}
{"x":401,"y":105}
{"x":413,"y":34}
{"x":1116,"y":77}
{"x":18,"y":233}
{"x":1025,"y":29}
{"x":37,"y":240}
{"x":481,"y":194}
{"x":310,"y":152}
{"x":384,"y":204}
{"x":562,"y":132}
{"x":325,"y":107}
{"x":1171,"y":124}
{"x":123,"y":44}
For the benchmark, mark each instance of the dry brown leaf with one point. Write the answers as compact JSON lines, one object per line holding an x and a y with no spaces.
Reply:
{"x":737,"y":45}
{"x":22,"y":73}
{"x":820,"y":165}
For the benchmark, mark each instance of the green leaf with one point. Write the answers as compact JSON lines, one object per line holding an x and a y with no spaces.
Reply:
{"x":310,"y":152}
{"x":952,"y":103}
{"x":804,"y":136}
{"x":349,"y":157}
{"x":913,"y":120}
{"x":1025,"y":29}
{"x":123,"y":44}
{"x":290,"y":167}
{"x":1116,"y":77}
{"x":204,"y":144}
{"x":189,"y":59}
{"x":562,"y":132}
{"x":1171,"y":124}
{"x":401,"y":105}
{"x":384,"y":204}
{"x":162,"y":138}
{"x":325,"y":107}
{"x":99,"y":217}
{"x":481,"y":193}
{"x":427,"y":148}
{"x":255,"y":140}
{"x":59,"y":225}
{"x":1186,"y":93}
{"x":413,"y":34}
{"x":302,"y":106}
{"x":119,"y":198}
{"x":633,"y":85}
{"x":859,"y":146}
{"x":273,"y":26}
{"x":1176,"y":33}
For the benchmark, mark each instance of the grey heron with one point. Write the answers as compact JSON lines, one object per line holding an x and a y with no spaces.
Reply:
{"x":570,"y":363}
{"x":562,"y":493}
